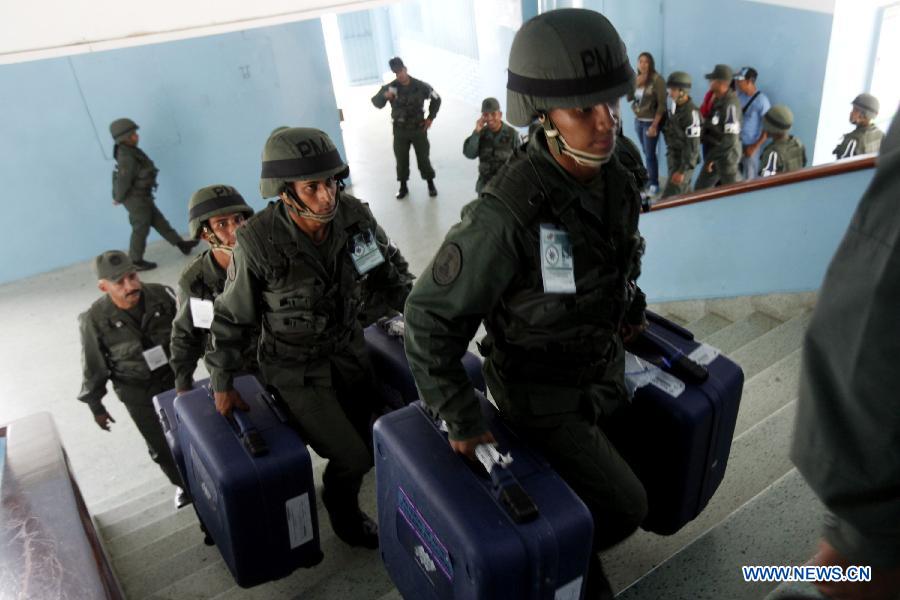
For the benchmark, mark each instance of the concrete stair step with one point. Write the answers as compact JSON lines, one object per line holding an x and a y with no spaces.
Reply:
{"x":169,"y":569}
{"x":707,"y":325}
{"x":135,"y":561}
{"x":135,"y":505}
{"x":138,"y":520}
{"x":675,"y":319}
{"x":758,"y":457}
{"x":769,"y":348}
{"x":780,"y":526}
{"x":142,"y":489}
{"x":200,"y":585}
{"x":769,"y":390}
{"x":741,"y":332}
{"x":149,"y":533}
{"x":394,"y":594}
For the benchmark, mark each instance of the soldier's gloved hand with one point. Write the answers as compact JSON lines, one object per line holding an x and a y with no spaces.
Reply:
{"x":467,"y":447}
{"x":228,"y":401}
{"x":104,"y":420}
{"x":426,"y":124}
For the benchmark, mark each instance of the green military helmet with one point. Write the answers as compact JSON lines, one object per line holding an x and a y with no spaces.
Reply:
{"x":212,"y":201}
{"x":680,"y":80}
{"x":565,"y":58}
{"x":490,"y":105}
{"x":867,"y":104}
{"x":298,"y":153}
{"x":120,"y":129}
{"x":778,"y":119}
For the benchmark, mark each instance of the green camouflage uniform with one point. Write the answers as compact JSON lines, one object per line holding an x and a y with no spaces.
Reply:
{"x":782,"y":156}
{"x":721,"y":134}
{"x":408,"y":117}
{"x":682,"y":132}
{"x":492,"y":149}
{"x":862,"y":140}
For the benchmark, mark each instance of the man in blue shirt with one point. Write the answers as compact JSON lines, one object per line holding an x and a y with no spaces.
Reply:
{"x":755,"y":104}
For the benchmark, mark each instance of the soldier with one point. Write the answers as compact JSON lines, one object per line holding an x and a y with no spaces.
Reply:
{"x":547,"y":258}
{"x":133,"y":183}
{"x":125,"y":339}
{"x":682,"y":133}
{"x":784,"y":153}
{"x":866,"y":138}
{"x":407,"y":95}
{"x":215,"y":212}
{"x":721,"y":133}
{"x":301,"y":271}
{"x":492,"y":142}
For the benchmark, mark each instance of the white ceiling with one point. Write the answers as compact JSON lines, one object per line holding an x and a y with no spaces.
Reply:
{"x":34,"y":29}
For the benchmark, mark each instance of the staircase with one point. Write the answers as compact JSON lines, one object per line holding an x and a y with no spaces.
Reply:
{"x":762,"y":513}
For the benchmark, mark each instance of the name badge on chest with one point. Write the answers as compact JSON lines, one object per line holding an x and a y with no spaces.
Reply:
{"x":202,"y":313}
{"x":155,"y":357}
{"x":365,"y":252}
{"x":557,"y":261}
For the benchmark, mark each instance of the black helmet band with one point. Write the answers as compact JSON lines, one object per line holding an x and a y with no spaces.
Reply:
{"x":579,"y":86}
{"x":291,"y":167}
{"x":214,"y":204}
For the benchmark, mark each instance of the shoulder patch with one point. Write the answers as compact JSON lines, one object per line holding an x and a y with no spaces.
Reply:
{"x":447,"y":264}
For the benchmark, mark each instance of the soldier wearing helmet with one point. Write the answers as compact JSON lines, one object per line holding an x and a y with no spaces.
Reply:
{"x":682,"y":132}
{"x":215,"y":213}
{"x":304,"y":271}
{"x":547,"y":260}
{"x":492,"y":142}
{"x":866,"y":138}
{"x":721,"y":132}
{"x":134,"y":181}
{"x":784,"y":153}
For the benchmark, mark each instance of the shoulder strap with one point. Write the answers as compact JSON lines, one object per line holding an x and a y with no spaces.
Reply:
{"x":749,"y":102}
{"x":511,"y":186}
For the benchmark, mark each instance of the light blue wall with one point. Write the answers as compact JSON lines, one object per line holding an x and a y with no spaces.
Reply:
{"x":774,"y":240}
{"x":205,"y":107}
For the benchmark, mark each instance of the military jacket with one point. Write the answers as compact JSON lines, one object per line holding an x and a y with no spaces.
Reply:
{"x":548,"y":264}
{"x":135,"y":174}
{"x":113,"y":344}
{"x":862,"y":140}
{"x":721,"y":132}
{"x":406,"y":108}
{"x":306,"y":299}
{"x":202,"y":279}
{"x":847,"y":437}
{"x":491,"y":149}
{"x":782,"y":156}
{"x":682,"y":132}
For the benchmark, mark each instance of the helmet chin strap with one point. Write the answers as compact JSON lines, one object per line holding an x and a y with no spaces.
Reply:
{"x":215,"y":243}
{"x":304,"y":211}
{"x":559,"y":145}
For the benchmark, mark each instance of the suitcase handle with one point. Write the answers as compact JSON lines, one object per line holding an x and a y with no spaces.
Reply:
{"x":248,"y":433}
{"x":664,"y":322}
{"x":670,"y":358}
{"x":507,"y":489}
{"x":164,"y":421}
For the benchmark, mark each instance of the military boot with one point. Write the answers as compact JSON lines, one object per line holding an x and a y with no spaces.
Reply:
{"x":350,"y":524}
{"x":403,"y":192}
{"x":432,"y":191}
{"x":187,"y":245}
{"x":144,"y":265}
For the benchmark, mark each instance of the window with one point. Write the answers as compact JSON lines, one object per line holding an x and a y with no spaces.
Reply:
{"x":885,"y":79}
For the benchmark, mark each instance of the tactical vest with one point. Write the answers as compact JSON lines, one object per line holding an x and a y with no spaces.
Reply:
{"x":782,"y":156}
{"x":494,"y":149}
{"x":145,"y":178}
{"x":564,"y":338}
{"x":123,"y":342}
{"x":682,"y":131}
{"x":859,"y":141}
{"x":309,"y":307}
{"x":724,"y":119}
{"x":406,"y":108}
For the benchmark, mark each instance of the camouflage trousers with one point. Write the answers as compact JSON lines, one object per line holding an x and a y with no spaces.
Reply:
{"x":418,"y":139}
{"x":143,"y":214}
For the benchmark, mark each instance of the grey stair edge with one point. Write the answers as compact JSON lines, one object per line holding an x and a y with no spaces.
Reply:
{"x":135,"y":505}
{"x":742,"y":332}
{"x":701,"y":328}
{"x":138,"y":520}
{"x":179,"y":519}
{"x":746,"y":355}
{"x":142,"y":489}
{"x":749,"y":413}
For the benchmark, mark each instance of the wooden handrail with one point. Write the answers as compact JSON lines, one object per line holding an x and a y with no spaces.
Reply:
{"x":839,"y":167}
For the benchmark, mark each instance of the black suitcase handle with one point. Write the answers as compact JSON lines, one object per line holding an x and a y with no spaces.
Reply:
{"x":656,"y":350}
{"x":507,"y":490}
{"x":248,"y":433}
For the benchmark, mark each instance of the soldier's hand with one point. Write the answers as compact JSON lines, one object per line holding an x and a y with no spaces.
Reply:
{"x":228,"y":401}
{"x":749,"y":150}
{"x":677,"y":178}
{"x":389,"y":95}
{"x":467,"y":447}
{"x":104,"y":420}
{"x":885,"y":582}
{"x":479,"y":125}
{"x":426,"y":124}
{"x":630,"y":332}
{"x":710,"y":167}
{"x":184,"y":391}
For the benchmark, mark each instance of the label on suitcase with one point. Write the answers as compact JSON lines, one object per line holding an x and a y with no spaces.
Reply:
{"x":384,"y":342}
{"x":450,"y":530}
{"x":164,"y":405}
{"x":677,"y":432}
{"x":252,"y":483}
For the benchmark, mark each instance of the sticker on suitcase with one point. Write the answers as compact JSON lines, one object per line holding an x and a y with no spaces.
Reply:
{"x":704,"y":354}
{"x":639,"y":373}
{"x":421,"y":541}
{"x":299,"y":518}
{"x":570,"y":591}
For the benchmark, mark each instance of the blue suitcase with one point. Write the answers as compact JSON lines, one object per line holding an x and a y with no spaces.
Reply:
{"x":251,"y":480}
{"x":164,"y":404}
{"x":677,"y":440}
{"x":384,"y":342}
{"x":448,"y":530}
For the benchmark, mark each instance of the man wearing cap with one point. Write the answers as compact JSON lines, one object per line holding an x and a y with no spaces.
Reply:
{"x":682,"y":132}
{"x":492,"y":142}
{"x":866,"y":138}
{"x":754,"y":104}
{"x":215,"y":213}
{"x":133,"y":183}
{"x":546,"y":258}
{"x":407,"y":95}
{"x":125,"y":339}
{"x":784,"y":152}
{"x":303,"y":271}
{"x":721,"y":133}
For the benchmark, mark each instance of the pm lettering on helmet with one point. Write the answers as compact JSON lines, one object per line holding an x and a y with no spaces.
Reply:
{"x":311,"y":147}
{"x":592,"y":61}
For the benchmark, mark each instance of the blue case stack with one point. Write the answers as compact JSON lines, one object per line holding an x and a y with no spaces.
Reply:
{"x":448,"y":530}
{"x":252,"y":483}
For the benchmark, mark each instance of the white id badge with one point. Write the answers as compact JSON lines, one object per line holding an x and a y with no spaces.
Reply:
{"x":557,"y":262}
{"x":202,"y":313}
{"x":365,"y":252}
{"x":155,"y":357}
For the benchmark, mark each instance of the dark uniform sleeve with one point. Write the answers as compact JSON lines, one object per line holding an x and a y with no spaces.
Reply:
{"x":470,"y":146}
{"x":378,"y":99}
{"x":236,"y":317}
{"x":95,"y":372}
{"x":728,"y":134}
{"x":188,"y":342}
{"x":127,"y":172}
{"x":434,"y":102}
{"x":463,"y":283}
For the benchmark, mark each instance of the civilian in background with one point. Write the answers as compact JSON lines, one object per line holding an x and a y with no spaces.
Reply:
{"x":754,"y":105}
{"x":649,"y":105}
